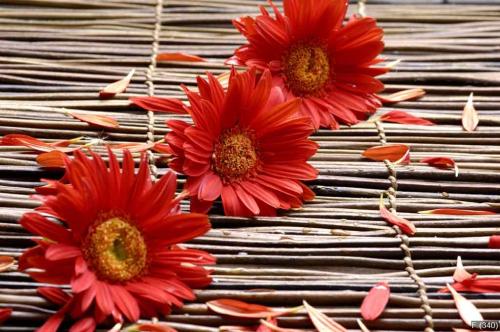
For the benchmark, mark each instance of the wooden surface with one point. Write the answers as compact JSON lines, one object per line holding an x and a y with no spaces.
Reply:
{"x":56,"y":55}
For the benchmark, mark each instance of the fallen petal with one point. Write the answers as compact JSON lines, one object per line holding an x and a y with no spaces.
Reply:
{"x":404,"y":118}
{"x":391,"y":152}
{"x":321,"y":321}
{"x":441,"y":162}
{"x":362,"y":326}
{"x":375,"y":301}
{"x":179,"y":56}
{"x":470,"y":118}
{"x":461,"y":273}
{"x":242,"y":309}
{"x":467,"y":310}
{"x":402,"y":96}
{"x":96,"y":120}
{"x":54,"y":159}
{"x":405,"y":225}
{"x":6,"y":262}
{"x":457,"y":212}
{"x":494,"y":242}
{"x":117,"y":87}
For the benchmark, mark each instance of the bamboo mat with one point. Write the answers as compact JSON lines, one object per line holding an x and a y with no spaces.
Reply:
{"x":56,"y":55}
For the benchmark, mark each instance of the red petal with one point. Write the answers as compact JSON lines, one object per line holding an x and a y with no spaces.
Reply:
{"x":157,"y":104}
{"x":126,"y":303}
{"x":391,"y":152}
{"x":60,"y":251}
{"x":52,"y":324}
{"x":104,"y":298}
{"x":402,"y":95}
{"x":39,"y":225}
{"x":6,"y":262}
{"x":404,"y":118}
{"x":53,"y":159}
{"x":322,"y":322}
{"x":178,"y":56}
{"x":441,"y":162}
{"x":406,"y":226}
{"x":210,"y":187}
{"x":83,"y":282}
{"x":470,"y":119}
{"x":375,"y":301}
{"x":466,"y":309}
{"x":54,"y":295}
{"x":32,"y":143}
{"x":242,"y":309}
{"x":117,"y":87}
{"x":5,"y":314}
{"x":457,"y":212}
{"x":158,"y":327}
{"x":494,"y":242}
{"x":96,"y":120}
{"x":86,"y":324}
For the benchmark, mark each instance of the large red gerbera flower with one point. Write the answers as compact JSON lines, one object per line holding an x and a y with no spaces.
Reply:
{"x":119,"y":250}
{"x":314,"y":57}
{"x":246,"y":145}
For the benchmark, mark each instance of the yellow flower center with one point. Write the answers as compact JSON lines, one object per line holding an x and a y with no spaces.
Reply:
{"x":116,"y":250}
{"x":307,"y":69}
{"x":235,"y":156}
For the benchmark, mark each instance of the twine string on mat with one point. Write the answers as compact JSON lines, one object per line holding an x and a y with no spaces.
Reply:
{"x":151,"y":89}
{"x":405,"y":242}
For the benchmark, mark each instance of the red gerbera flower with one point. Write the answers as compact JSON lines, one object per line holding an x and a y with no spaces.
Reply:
{"x":313,"y":56}
{"x":246,"y":145}
{"x":119,"y":250}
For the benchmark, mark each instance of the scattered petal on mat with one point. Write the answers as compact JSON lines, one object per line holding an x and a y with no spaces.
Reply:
{"x":395,"y":153}
{"x":362,"y":326}
{"x":321,"y":321}
{"x":275,"y":328}
{"x":156,"y":327}
{"x":470,"y":119}
{"x":461,"y":273}
{"x":457,"y":212}
{"x":117,"y":87}
{"x":237,"y":308}
{"x":32,"y":143}
{"x":5,"y":314}
{"x":494,"y":242}
{"x":264,"y":328}
{"x":6,"y":262}
{"x":466,"y":308}
{"x":402,"y":96}
{"x":178,"y":56}
{"x":405,"y":225}
{"x":375,"y":301}
{"x":132,"y":147}
{"x":441,"y":162}
{"x":159,"y":104}
{"x":51,"y":159}
{"x":96,"y":120}
{"x":404,"y":118}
